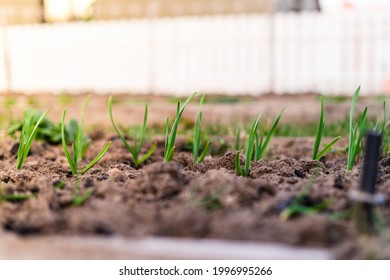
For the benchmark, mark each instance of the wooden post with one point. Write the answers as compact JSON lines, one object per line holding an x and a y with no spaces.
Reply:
{"x":42,"y":11}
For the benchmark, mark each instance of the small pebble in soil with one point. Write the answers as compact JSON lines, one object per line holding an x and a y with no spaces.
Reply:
{"x":339,"y":182}
{"x":292,"y":181}
{"x":34,"y":189}
{"x":103,"y":230}
{"x":102,"y":177}
{"x":15,"y":148}
{"x":20,"y":228}
{"x":282,"y":205}
{"x":385,"y":161}
{"x":6,"y":178}
{"x":89,"y":183}
{"x":113,"y":138}
{"x":299,"y":173}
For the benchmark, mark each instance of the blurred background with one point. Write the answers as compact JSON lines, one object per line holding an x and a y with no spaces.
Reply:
{"x":175,"y":47}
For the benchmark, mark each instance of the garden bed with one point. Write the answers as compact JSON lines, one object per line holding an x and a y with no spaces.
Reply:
{"x":283,"y":198}
{"x":184,"y":200}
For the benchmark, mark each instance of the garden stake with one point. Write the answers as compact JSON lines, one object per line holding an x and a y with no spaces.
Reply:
{"x":366,"y":198}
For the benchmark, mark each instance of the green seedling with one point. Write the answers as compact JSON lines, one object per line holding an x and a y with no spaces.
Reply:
{"x":197,"y":136}
{"x":79,"y":199}
{"x":381,"y":128}
{"x":80,"y":146}
{"x":13,"y":197}
{"x":170,"y":137}
{"x":59,"y":185}
{"x":47,"y":130}
{"x":249,"y":150}
{"x":27,"y":136}
{"x":356,"y":132}
{"x":209,"y":202}
{"x":317,"y":155}
{"x":297,"y":207}
{"x":138,"y":138}
{"x":381,"y":123}
{"x":261,"y":145}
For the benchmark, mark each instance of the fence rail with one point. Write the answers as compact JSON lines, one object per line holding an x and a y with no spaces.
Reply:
{"x":232,"y":54}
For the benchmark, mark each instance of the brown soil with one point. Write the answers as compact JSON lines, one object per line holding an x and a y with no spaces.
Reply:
{"x":182,"y":199}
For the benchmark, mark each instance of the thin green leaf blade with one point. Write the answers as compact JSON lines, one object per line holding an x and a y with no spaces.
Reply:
{"x":320,"y":131}
{"x":97,"y":158}
{"x":327,"y":148}
{"x":147,"y":155}
{"x":270,"y":134}
{"x":238,"y":166}
{"x":204,"y":152}
{"x":64,"y":145}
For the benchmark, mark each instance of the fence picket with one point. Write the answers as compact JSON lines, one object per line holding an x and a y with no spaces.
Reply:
{"x":232,"y":54}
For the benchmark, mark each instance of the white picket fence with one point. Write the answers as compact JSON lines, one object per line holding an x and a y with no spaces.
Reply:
{"x":245,"y":54}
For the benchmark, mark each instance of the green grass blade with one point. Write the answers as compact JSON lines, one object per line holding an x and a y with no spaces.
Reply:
{"x":79,"y":142}
{"x":356,"y":137}
{"x":97,"y":158}
{"x":146,"y":112}
{"x":27,"y":138}
{"x":171,"y":154}
{"x":250,"y":145}
{"x":383,"y":129}
{"x":256,"y":155}
{"x":16,"y":197}
{"x":118,"y":132}
{"x":147,"y":155}
{"x":258,"y":145}
{"x":362,"y":131}
{"x":204,"y":153}
{"x":74,"y":153}
{"x":170,"y":140}
{"x":352,"y":137}
{"x":196,"y":140}
{"x":180,"y":110}
{"x":136,"y":145}
{"x":81,"y":199}
{"x":22,"y":143}
{"x":80,"y":139}
{"x":65,"y":147}
{"x":84,"y":148}
{"x":320,"y":131}
{"x":237,"y":161}
{"x":381,"y":124}
{"x":197,"y":133}
{"x":327,"y":148}
{"x":166,"y":152}
{"x":270,"y":134}
{"x":172,"y":134}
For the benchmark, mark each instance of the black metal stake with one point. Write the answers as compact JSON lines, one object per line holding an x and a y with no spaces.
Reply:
{"x":366,"y":198}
